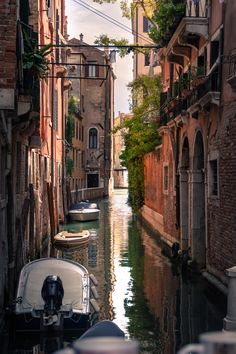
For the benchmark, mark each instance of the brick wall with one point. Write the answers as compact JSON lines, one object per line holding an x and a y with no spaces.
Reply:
{"x":221,"y":213}
{"x":162,"y":202}
{"x":8,"y":44}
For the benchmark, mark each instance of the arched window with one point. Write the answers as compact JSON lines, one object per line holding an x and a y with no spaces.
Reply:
{"x":93,"y":138}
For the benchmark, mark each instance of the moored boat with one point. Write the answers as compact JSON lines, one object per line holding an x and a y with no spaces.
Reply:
{"x":70,"y":239}
{"x":54,"y":294}
{"x":84,"y":214}
{"x":84,"y":205}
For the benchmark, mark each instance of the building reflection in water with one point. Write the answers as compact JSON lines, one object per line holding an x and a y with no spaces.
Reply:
{"x":183,"y":305}
{"x":139,"y":288}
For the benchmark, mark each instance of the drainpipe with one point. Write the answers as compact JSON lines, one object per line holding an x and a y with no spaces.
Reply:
{"x":52,"y":127}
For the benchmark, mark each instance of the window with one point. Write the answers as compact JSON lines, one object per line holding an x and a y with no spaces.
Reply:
{"x":82,"y":103}
{"x":214,"y":51}
{"x":92,"y":70}
{"x":213,"y":177}
{"x":146,"y":59}
{"x":146,"y":24}
{"x":48,"y":8}
{"x":93,"y":138}
{"x":165,"y":178}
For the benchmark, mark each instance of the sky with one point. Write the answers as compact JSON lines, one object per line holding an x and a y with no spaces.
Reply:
{"x":81,"y":20}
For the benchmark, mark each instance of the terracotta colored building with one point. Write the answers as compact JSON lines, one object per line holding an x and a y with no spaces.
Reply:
{"x":189,"y":179}
{"x":141,"y":63}
{"x":31,"y":133}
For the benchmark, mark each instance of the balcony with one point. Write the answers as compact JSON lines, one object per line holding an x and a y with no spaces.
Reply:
{"x":191,"y":32}
{"x":196,"y":99}
{"x":232,"y":72}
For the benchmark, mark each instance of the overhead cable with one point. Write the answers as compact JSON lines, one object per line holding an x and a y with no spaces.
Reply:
{"x":111,"y":20}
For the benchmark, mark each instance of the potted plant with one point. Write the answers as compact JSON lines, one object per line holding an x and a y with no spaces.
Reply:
{"x":35,"y":59}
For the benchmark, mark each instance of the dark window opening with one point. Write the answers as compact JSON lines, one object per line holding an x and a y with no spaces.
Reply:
{"x":146,"y":24}
{"x":92,"y":180}
{"x":214,"y":52}
{"x":93,"y":138}
{"x":146,"y":60}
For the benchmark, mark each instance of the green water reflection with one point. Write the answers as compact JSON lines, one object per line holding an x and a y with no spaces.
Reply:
{"x":139,"y":288}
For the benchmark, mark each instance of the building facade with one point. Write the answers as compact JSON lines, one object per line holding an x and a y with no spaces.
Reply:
{"x":93,"y":85}
{"x":32,"y":105}
{"x":143,"y":63}
{"x":189,"y":194}
{"x":120,"y":173}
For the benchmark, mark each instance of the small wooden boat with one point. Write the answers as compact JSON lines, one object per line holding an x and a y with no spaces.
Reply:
{"x":70,"y":239}
{"x":54,"y":294}
{"x":84,"y":214}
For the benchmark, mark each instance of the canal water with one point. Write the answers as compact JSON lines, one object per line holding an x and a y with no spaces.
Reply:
{"x":139,"y":288}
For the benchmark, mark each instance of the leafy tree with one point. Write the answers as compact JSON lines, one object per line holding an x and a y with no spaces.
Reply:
{"x":128,"y":9}
{"x":105,"y":40}
{"x":74,"y":106}
{"x":140,"y":133}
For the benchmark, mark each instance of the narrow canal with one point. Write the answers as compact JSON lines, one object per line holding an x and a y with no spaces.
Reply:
{"x":139,"y":287}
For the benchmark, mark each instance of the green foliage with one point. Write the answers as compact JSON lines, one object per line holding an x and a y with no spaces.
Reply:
{"x":164,"y":18}
{"x":74,"y":106}
{"x":69,"y":166}
{"x":69,"y":129}
{"x":35,"y":58}
{"x":128,"y":7}
{"x":103,"y":39}
{"x":140,"y":134}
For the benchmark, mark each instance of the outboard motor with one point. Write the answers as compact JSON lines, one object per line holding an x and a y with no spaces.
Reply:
{"x":52,"y":293}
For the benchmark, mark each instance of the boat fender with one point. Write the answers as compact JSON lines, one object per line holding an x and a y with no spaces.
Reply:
{"x":94,"y":292}
{"x":93,"y":279}
{"x":95,"y":305}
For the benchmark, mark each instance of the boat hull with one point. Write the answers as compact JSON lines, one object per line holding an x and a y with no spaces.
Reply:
{"x":29,"y":323}
{"x":84,"y":214}
{"x":66,"y":239}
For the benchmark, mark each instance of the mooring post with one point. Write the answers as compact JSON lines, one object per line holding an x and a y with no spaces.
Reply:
{"x":229,"y":323}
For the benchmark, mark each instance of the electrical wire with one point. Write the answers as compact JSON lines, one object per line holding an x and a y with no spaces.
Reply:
{"x":111,"y":20}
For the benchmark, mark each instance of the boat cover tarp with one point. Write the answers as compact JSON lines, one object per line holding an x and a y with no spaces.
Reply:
{"x":72,"y":280}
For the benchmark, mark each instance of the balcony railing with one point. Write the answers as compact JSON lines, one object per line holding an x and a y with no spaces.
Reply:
{"x":196,"y":8}
{"x":232,"y":72}
{"x":193,"y":21}
{"x":173,"y":106}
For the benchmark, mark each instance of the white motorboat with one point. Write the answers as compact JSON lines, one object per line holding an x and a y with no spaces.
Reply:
{"x":55,"y":294}
{"x":84,"y":214}
{"x":70,"y":239}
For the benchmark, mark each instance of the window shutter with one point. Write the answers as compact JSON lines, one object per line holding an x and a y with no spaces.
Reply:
{"x":97,"y":71}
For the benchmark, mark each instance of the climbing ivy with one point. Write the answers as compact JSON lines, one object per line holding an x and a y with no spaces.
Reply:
{"x":69,"y":166}
{"x":74,"y":106}
{"x":140,"y":133}
{"x":69,"y":129}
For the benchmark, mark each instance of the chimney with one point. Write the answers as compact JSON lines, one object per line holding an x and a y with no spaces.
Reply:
{"x":81,"y":37}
